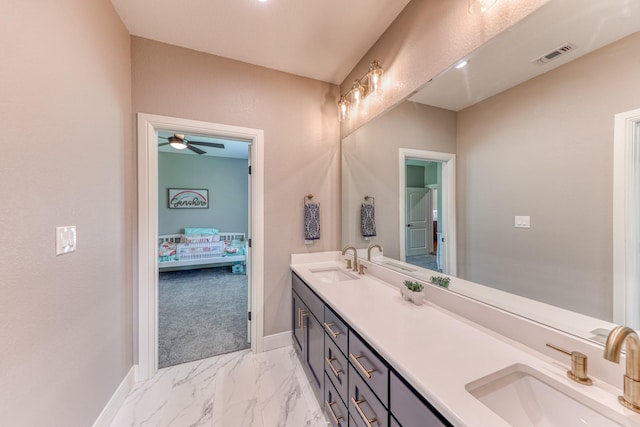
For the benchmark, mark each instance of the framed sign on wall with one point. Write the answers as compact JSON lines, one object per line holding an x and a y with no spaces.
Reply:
{"x":188,"y":198}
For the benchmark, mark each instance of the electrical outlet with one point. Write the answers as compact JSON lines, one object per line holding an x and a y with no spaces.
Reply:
{"x":65,"y":239}
{"x":523,"y":222}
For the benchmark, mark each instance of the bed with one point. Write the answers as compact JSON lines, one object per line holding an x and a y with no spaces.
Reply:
{"x":176,"y":251}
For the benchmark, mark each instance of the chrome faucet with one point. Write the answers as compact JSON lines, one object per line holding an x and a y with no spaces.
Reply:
{"x":355,"y":256}
{"x":618,"y":336}
{"x":371,"y":246}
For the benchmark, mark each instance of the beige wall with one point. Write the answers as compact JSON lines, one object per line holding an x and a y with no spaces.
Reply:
{"x":370,"y":162}
{"x":67,"y":159}
{"x":302,"y":143}
{"x":545,"y":149}
{"x":428,"y":37}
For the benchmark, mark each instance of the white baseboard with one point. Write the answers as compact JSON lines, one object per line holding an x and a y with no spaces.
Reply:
{"x":117,"y":399}
{"x":271,"y":342}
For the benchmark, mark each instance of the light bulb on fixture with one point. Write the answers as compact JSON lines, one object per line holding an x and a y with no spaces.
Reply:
{"x":343,"y":108}
{"x":375,"y":76}
{"x":177,"y":143}
{"x":480,"y":6}
{"x":461,"y":64}
{"x":357,"y":92}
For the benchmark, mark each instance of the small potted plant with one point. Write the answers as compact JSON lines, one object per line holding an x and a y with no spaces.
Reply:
{"x":412,"y":291}
{"x":441,"y":281}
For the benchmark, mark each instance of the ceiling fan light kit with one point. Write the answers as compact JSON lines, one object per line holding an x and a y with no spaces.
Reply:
{"x":180,"y":142}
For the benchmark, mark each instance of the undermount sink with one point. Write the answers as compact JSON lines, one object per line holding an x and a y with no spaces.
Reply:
{"x":332,"y":274}
{"x":399,"y":266}
{"x":523,"y":396}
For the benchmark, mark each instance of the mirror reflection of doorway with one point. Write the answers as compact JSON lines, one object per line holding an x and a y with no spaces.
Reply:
{"x":423,"y":208}
{"x":203,"y":277}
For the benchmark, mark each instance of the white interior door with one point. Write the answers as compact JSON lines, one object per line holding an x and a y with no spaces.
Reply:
{"x":419,"y":227}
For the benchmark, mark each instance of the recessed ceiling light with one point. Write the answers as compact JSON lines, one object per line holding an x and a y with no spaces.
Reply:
{"x":462,"y":64}
{"x":263,"y":1}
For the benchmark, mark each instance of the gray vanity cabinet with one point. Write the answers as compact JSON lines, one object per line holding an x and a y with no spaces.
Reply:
{"x":351,"y":381}
{"x":308,"y":333}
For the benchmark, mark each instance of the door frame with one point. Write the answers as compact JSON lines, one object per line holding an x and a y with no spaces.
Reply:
{"x":626,"y":227}
{"x":448,"y":161}
{"x":147,"y":304}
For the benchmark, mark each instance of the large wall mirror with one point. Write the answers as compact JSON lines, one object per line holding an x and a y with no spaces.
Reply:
{"x":500,"y":172}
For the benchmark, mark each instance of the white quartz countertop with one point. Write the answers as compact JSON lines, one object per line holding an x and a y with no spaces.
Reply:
{"x":435,"y":350}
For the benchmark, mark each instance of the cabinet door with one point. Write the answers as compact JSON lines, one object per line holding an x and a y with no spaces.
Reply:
{"x":315,"y":351}
{"x":297,"y":322}
{"x":409,"y":409}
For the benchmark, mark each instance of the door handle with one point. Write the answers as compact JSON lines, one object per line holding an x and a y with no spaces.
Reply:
{"x":408,"y":225}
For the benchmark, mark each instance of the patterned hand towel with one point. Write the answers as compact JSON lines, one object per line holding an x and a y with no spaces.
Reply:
{"x":312,"y":221}
{"x":368,"y":220}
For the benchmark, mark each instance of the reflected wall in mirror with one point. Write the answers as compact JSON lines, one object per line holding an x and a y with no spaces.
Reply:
{"x":538,"y":145}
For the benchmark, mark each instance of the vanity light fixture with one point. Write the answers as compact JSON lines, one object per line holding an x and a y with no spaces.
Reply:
{"x":480,"y":6}
{"x":362,"y":87}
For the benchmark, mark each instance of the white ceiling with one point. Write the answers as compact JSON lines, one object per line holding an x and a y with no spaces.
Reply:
{"x":506,"y":61}
{"x":320,"y":39}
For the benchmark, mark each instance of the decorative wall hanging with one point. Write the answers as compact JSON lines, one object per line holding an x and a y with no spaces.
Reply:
{"x":187,"y":198}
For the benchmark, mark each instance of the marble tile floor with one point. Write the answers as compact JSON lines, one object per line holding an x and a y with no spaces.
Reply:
{"x":240,"y":389}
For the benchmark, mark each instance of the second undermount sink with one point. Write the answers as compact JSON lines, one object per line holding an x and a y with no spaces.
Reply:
{"x":523,"y":397}
{"x":332,"y":274}
{"x":399,"y":266}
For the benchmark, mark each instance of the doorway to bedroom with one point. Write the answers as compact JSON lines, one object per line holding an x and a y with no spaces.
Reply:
{"x":203,"y":224}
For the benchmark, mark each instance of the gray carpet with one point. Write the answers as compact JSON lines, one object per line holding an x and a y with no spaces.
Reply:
{"x":424,"y":261}
{"x":201,"y":313}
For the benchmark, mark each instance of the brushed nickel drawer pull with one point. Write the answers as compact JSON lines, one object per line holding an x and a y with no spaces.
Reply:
{"x":361,"y":412}
{"x":301,"y":315}
{"x":330,"y":362}
{"x":330,"y":330}
{"x":364,"y":370}
{"x":333,"y":414}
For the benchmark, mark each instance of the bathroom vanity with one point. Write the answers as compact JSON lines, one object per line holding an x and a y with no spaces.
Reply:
{"x":350,"y":379}
{"x":374,"y":359}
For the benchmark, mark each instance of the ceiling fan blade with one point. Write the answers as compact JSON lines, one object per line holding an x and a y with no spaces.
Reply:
{"x":207,"y":144}
{"x":195,"y":149}
{"x":164,"y":143}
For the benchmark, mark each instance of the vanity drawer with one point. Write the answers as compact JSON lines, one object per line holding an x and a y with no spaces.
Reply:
{"x":333,"y":405}
{"x":363,"y":403}
{"x":336,"y":329}
{"x":315,"y":304}
{"x":408,"y":408}
{"x":335,"y":365}
{"x":371,"y":368}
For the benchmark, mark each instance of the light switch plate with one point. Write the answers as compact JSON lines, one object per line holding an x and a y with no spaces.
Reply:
{"x":65,"y":239}
{"x":523,"y":222}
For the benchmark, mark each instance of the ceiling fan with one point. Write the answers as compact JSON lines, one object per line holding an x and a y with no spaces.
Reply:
{"x":179,"y":142}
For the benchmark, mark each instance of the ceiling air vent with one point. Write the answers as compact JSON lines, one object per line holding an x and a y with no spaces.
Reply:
{"x":565,"y":48}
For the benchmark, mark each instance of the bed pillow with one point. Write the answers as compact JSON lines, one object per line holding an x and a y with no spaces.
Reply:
{"x":201,"y":231}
